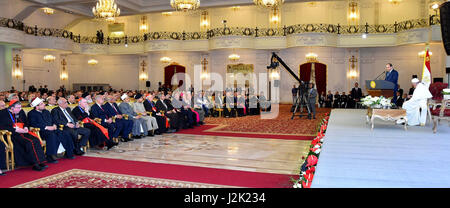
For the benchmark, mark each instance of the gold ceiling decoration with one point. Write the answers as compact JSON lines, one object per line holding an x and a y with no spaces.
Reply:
{"x":185,"y":5}
{"x":269,"y":3}
{"x":107,"y":10}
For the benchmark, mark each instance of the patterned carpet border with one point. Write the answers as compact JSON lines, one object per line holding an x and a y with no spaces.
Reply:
{"x":218,"y":128}
{"x":77,"y":178}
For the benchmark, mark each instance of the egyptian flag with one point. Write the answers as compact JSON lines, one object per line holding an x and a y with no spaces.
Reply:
{"x":426,"y":73}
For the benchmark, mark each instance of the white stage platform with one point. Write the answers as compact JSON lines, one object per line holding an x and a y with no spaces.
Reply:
{"x":353,"y":156}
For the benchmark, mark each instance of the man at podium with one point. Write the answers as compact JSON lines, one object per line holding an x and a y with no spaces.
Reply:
{"x":392,"y":76}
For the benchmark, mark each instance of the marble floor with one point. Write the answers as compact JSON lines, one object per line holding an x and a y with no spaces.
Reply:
{"x":234,"y":153}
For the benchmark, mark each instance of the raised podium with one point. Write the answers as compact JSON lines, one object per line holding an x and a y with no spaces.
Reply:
{"x":380,"y":88}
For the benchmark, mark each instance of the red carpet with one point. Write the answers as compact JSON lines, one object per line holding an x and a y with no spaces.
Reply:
{"x":154,"y":170}
{"x":280,"y":123}
{"x":205,"y":130}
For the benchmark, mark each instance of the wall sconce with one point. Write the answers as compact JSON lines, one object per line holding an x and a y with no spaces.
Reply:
{"x":143,"y":75}
{"x":17,"y":72}
{"x":143,"y":26}
{"x":204,"y":21}
{"x":352,"y":74}
{"x":353,"y":13}
{"x":204,"y":74}
{"x":167,"y":14}
{"x":275,"y":16}
{"x":64,"y":75}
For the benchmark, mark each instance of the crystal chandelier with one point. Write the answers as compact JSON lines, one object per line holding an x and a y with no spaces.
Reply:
{"x":49,"y":58}
{"x":165,"y":59}
{"x":106,"y":9}
{"x":311,"y":57}
{"x":185,"y":5}
{"x":234,"y":57}
{"x":92,"y":62}
{"x":48,"y":11}
{"x":268,"y":3}
{"x":395,"y":2}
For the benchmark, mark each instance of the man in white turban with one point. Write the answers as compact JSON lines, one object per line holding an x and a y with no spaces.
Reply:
{"x":416,"y":107}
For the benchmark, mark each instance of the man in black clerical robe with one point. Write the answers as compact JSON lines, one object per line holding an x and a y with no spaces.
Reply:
{"x":41,"y":118}
{"x":27,"y":147}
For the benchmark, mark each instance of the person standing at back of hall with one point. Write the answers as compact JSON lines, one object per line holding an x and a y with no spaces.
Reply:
{"x":392,"y":76}
{"x":294,"y":94}
{"x":312,"y":95}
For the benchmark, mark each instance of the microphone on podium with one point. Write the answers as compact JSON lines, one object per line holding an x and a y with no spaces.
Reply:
{"x":384,"y":72}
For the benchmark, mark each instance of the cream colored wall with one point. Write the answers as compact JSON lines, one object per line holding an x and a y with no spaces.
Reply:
{"x":122,"y":71}
{"x":58,"y":20}
{"x":329,"y":12}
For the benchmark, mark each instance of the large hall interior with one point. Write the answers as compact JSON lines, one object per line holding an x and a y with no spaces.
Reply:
{"x":224,"y":93}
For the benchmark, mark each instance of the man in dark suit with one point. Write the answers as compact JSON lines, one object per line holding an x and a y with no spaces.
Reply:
{"x":392,"y":76}
{"x":97,"y":111}
{"x":161,"y":106}
{"x":356,"y":94}
{"x":113,"y":111}
{"x":41,"y":118}
{"x":400,"y":100}
{"x":312,"y":95}
{"x":329,"y":100}
{"x":62,"y":116}
{"x":150,"y":106}
{"x":337,"y":99}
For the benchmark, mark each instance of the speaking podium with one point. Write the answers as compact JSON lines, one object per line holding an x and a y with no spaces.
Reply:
{"x":380,"y":88}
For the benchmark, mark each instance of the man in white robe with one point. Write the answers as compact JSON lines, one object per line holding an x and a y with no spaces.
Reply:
{"x":416,"y":107}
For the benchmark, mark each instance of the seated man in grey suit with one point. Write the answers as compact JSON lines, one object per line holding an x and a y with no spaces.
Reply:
{"x":312,"y":94}
{"x":139,"y":124}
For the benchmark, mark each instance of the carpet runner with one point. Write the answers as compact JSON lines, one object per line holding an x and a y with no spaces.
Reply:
{"x":96,"y":172}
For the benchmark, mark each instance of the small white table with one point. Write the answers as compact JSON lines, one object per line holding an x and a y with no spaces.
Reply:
{"x":386,"y":115}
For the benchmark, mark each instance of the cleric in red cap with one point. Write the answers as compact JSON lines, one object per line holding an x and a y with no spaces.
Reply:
{"x":27,"y":148}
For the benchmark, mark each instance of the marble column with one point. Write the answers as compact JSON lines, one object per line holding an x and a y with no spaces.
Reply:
{"x":5,"y":67}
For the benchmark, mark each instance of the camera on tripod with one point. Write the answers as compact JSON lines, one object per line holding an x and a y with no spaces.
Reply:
{"x":273,"y":65}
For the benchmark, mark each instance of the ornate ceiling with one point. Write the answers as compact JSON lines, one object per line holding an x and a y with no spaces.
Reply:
{"x":131,"y":7}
